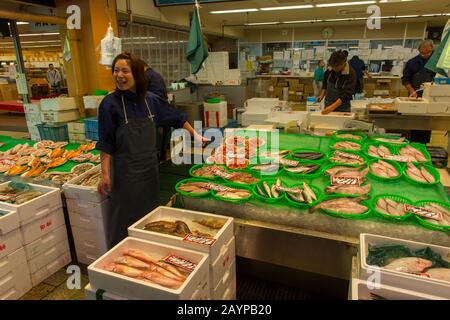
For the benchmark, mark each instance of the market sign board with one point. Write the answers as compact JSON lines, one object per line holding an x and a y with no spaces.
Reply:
{"x":163,"y":3}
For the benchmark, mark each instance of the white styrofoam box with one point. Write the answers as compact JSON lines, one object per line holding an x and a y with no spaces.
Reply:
{"x":42,"y":274}
{"x":33,"y":118}
{"x":87,"y":258}
{"x":216,"y":114}
{"x":233,"y":77}
{"x":222,"y":237}
{"x":48,"y":256}
{"x":15,"y":278}
{"x":360,"y":291}
{"x":399,"y":279}
{"x":87,"y":222}
{"x":221,"y":266}
{"x":90,"y":293}
{"x":333,"y":119}
{"x":90,"y":194}
{"x":248,"y":118}
{"x":58,"y":104}
{"x":438,"y":99}
{"x":10,"y":242}
{"x":230,"y":293}
{"x":46,"y":242}
{"x":9,"y":220}
{"x":77,"y":137}
{"x":280,"y":118}
{"x":60,"y":116}
{"x":90,"y":209}
{"x":411,"y":106}
{"x":436,"y":90}
{"x":258,"y":104}
{"x":89,"y":241}
{"x":75,"y":127}
{"x":92,"y":102}
{"x":202,"y":292}
{"x":31,"y":108}
{"x":225,"y":282}
{"x":439,"y":107}
{"x":42,"y":226}
{"x":138,"y":289}
{"x":37,"y":207}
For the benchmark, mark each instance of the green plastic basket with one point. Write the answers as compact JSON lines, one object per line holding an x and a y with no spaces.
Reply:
{"x":394,"y":197}
{"x":215,"y":196}
{"x":430,"y":169}
{"x":344,"y":195}
{"x":188,"y":194}
{"x":316,"y":190}
{"x":365,"y":149}
{"x":356,"y":133}
{"x":419,"y":147}
{"x":198,"y":166}
{"x":259,"y":174}
{"x":291,"y":154}
{"x":334,"y":141}
{"x":238,"y":185}
{"x":269,"y":181}
{"x":397,"y":166}
{"x":345,"y":215}
{"x":331,"y":165}
{"x":330,"y":154}
{"x":312,"y":175}
{"x":374,"y":137}
{"x":430,"y":225}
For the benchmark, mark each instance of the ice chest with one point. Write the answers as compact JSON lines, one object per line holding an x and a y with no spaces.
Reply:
{"x":138,"y":289}
{"x":42,"y":226}
{"x":10,"y":237}
{"x":37,"y":207}
{"x":14,"y":276}
{"x":90,"y":194}
{"x":58,"y":104}
{"x":46,"y":242}
{"x":89,"y":209}
{"x":48,"y":256}
{"x":60,"y":116}
{"x":45,"y":272}
{"x":398,"y":279}
{"x":88,"y":241}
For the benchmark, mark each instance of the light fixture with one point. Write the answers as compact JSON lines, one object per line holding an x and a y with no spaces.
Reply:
{"x":343,"y":4}
{"x":341,"y":19}
{"x":408,"y":16}
{"x":234,"y":11}
{"x":261,"y":23}
{"x":39,"y":34}
{"x":302,"y":21}
{"x":305,"y":6}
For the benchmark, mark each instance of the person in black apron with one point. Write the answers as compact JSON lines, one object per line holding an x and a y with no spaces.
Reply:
{"x":339,"y":84}
{"x":414,"y":75}
{"x":128,"y":119}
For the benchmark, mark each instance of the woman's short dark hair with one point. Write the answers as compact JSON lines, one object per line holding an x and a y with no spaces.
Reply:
{"x":137,"y":69}
{"x":337,"y":58}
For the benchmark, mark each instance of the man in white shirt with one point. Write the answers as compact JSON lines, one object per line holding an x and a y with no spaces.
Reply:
{"x":54,"y":79}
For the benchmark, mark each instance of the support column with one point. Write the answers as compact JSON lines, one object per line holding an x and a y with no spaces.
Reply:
{"x":18,"y":49}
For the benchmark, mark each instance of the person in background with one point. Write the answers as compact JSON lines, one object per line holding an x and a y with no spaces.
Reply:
{"x":414,"y":75}
{"x":339,"y":84}
{"x":318,"y":78}
{"x":360,"y":69}
{"x":54,"y":79}
{"x":156,"y":82}
{"x":127,"y":120}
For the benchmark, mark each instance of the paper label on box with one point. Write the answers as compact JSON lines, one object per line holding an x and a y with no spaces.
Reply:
{"x":180,"y":262}
{"x":353,"y":181}
{"x":199,"y":239}
{"x":396,"y":158}
{"x":422,"y":212}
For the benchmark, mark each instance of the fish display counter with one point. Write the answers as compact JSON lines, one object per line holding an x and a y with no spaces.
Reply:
{"x":323,"y":193}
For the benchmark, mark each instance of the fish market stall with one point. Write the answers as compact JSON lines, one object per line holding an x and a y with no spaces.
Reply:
{"x":325,"y":192}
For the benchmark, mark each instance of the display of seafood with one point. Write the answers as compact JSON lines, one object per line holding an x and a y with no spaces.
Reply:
{"x":269,"y":190}
{"x":412,"y":154}
{"x":349,"y":189}
{"x":44,"y":144}
{"x":391,"y":140}
{"x":56,"y":162}
{"x":177,"y":228}
{"x":444,"y":214}
{"x":302,"y":195}
{"x":60,"y":179}
{"x":16,"y":170}
{"x":346,"y":158}
{"x":233,"y":193}
{"x":87,"y":147}
{"x":34,"y":172}
{"x":72,"y":154}
{"x":5,"y":165}
{"x":308,"y":155}
{"x":237,"y":163}
{"x":420,"y":175}
{"x":384,"y":169}
{"x":274,"y":154}
{"x":96,"y":159}
{"x":348,"y":136}
{"x":18,"y":148}
{"x":438,"y":273}
{"x":287,"y":162}
{"x":409,"y":265}
{"x":194,"y":187}
{"x":90,"y":180}
{"x":266,"y":168}
{"x":211,"y":223}
{"x":347,"y":145}
{"x":83,"y":157}
{"x":390,"y":207}
{"x":378,"y":152}
{"x":81,"y":168}
{"x":206,"y":171}
{"x":347,"y":172}
{"x":41,"y":152}
{"x":242,"y":178}
{"x":303,"y":169}
{"x":137,"y":264}
{"x":17,"y":196}
{"x":343,"y":205}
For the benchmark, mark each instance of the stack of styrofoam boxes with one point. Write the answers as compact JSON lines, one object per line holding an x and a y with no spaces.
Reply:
{"x":59,"y":110}
{"x":220,"y":248}
{"x":43,"y":232}
{"x":407,"y":105}
{"x":257,"y":110}
{"x":76,"y":132}
{"x":195,"y":287}
{"x":406,"y":281}
{"x":33,"y":117}
{"x":92,"y":102}
{"x":438,"y":96}
{"x":14,"y":273}
{"x":88,"y":212}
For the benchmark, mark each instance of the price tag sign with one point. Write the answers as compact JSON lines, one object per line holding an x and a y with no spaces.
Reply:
{"x":349,"y":181}
{"x":396,"y":158}
{"x":180,"y":262}
{"x":422,"y":212}
{"x":199,"y":240}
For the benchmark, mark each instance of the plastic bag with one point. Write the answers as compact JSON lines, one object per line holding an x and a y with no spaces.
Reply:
{"x":110,"y":47}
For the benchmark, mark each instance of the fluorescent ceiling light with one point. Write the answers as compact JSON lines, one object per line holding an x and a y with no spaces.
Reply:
{"x":408,"y":16}
{"x":305,"y":6}
{"x":261,"y":23}
{"x":343,"y":19}
{"x":234,"y":11}
{"x":343,"y":4}
{"x":39,"y":34}
{"x":302,"y":21}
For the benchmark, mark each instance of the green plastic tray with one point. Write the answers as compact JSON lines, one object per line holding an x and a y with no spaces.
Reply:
{"x":316,"y":190}
{"x":312,"y":175}
{"x":362,"y":135}
{"x":396,"y":165}
{"x":365,"y":149}
{"x":331,"y":165}
{"x":419,"y":147}
{"x":374,"y":137}
{"x":330,"y":154}
{"x":291,"y":154}
{"x":430,"y":169}
{"x":388,"y":216}
{"x":258,"y":174}
{"x":269,"y":181}
{"x":344,"y":215}
{"x":333,"y":142}
{"x":215,"y":196}
{"x":198,"y":166}
{"x":188,"y":194}
{"x":344,"y":195}
{"x":430,"y":225}
{"x":238,"y":185}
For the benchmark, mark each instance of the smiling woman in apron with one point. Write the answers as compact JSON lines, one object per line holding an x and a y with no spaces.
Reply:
{"x":339,"y":84}
{"x":128,"y":118}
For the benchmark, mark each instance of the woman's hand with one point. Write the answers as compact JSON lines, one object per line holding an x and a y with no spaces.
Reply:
{"x":327,"y":110}
{"x":104,"y":187}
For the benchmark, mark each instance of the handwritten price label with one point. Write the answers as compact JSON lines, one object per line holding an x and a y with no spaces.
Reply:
{"x":2,"y":247}
{"x":180,"y":262}
{"x":422,"y":212}
{"x":45,"y":225}
{"x":199,"y":240}
{"x":349,"y":181}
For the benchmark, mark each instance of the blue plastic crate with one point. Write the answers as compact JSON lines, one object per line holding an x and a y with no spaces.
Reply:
{"x":442,"y":80}
{"x":54,"y":132}
{"x":91,"y":129}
